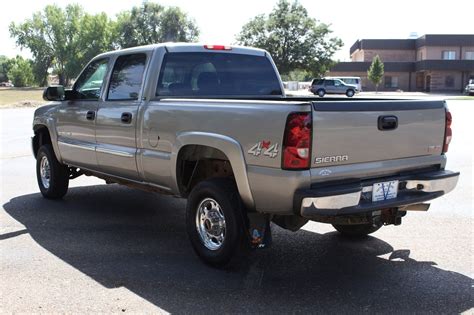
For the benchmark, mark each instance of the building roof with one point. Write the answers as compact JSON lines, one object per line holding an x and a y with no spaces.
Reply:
{"x":411,"y":44}
{"x":402,"y":44}
{"x":445,"y":40}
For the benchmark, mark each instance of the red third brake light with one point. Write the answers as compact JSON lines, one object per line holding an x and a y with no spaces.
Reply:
{"x":448,"y":133}
{"x":297,"y":141}
{"x":217,"y":47}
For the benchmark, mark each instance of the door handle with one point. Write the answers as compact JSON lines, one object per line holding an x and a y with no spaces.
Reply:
{"x":387,"y":122}
{"x":126,"y":118}
{"x":90,"y":115}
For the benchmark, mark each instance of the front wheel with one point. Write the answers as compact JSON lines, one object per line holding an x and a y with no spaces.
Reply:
{"x":52,"y":176}
{"x":350,"y":93}
{"x":356,"y":230}
{"x":214,"y":222}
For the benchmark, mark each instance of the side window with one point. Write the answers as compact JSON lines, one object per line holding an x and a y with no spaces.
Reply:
{"x":337,"y":83}
{"x":89,"y":85}
{"x":329,"y":82}
{"x":126,"y":78}
{"x":318,"y":82}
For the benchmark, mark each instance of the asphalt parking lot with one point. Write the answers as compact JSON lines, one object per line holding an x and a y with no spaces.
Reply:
{"x":107,"y":248}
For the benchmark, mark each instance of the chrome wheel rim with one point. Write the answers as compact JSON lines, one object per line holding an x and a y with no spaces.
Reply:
{"x":45,"y":172}
{"x":210,"y":224}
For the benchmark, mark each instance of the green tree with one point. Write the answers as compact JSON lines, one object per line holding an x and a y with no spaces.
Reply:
{"x":152,"y":23}
{"x":21,"y":72}
{"x":375,"y":72}
{"x":63,"y":39}
{"x":4,"y":67}
{"x":297,"y":75}
{"x":293,"y":38}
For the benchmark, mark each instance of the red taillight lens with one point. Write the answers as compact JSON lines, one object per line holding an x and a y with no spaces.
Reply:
{"x":217,"y":47}
{"x":448,"y":133}
{"x":297,"y":141}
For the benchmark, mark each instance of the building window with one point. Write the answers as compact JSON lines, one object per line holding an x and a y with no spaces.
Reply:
{"x":449,"y":55}
{"x":391,"y":82}
{"x":470,"y":55}
{"x":449,"y":81}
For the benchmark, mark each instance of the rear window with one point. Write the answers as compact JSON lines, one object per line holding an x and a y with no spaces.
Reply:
{"x":350,"y":80}
{"x":317,"y":82}
{"x":209,"y":74}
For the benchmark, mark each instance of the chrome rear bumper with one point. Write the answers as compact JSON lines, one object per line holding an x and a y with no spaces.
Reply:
{"x":355,"y":198}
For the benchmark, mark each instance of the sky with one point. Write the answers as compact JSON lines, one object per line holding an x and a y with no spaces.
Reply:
{"x":220,"y":20}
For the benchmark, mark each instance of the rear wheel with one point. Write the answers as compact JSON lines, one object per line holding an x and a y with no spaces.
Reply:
{"x":350,"y":93}
{"x":321,"y":93}
{"x":214,"y":222}
{"x":357,"y":230}
{"x":52,"y":176}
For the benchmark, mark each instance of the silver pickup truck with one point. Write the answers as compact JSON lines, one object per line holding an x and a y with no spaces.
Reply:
{"x":212,"y":124}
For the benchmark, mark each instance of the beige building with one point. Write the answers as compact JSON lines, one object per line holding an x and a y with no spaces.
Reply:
{"x":428,"y":63}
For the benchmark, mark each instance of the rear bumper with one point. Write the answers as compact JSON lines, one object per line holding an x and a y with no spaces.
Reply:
{"x":355,"y":198}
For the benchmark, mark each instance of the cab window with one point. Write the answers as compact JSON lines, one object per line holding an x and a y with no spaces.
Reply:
{"x":127,"y":76}
{"x":217,"y":74}
{"x":89,"y":84}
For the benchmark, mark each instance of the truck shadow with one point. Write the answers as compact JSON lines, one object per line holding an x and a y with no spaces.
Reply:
{"x":126,"y":238}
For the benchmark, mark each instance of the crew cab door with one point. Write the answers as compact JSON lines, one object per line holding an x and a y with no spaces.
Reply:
{"x":76,"y":117}
{"x":117,"y":117}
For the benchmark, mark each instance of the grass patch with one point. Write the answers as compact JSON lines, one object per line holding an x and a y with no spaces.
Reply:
{"x":465,"y":97}
{"x":21,"y":96}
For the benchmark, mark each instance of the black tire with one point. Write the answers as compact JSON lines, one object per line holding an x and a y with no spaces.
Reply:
{"x":58,"y":174}
{"x":235,"y":244}
{"x":357,"y":230}
{"x":350,"y":93}
{"x":321,"y":92}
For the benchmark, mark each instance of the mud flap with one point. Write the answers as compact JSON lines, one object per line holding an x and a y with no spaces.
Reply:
{"x":259,"y":231}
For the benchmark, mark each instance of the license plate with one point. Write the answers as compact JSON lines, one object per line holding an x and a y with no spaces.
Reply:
{"x":385,"y":190}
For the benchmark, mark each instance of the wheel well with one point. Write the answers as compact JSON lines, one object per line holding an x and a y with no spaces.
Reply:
{"x":41,"y":137}
{"x":196,"y":163}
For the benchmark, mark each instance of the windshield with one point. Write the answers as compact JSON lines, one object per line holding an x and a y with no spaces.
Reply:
{"x":209,"y":74}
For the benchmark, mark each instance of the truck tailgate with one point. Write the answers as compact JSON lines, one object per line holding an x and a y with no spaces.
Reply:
{"x":367,"y":131}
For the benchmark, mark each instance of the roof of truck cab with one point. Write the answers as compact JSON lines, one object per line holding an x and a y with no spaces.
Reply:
{"x":184,"y":47}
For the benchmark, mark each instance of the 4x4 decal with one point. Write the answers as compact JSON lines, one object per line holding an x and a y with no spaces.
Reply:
{"x":268,"y":149}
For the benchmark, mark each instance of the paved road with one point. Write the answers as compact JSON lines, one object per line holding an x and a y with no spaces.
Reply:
{"x":107,"y":248}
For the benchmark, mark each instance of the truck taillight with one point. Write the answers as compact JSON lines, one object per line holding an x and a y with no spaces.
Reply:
{"x":217,"y":47}
{"x":297,"y":141}
{"x":448,"y":133}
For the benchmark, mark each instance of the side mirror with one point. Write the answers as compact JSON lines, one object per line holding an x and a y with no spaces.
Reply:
{"x":54,"y":93}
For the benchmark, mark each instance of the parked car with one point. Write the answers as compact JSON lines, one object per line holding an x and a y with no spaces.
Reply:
{"x":350,"y":80}
{"x":325,"y":86}
{"x":6,"y":84}
{"x":470,"y":87}
{"x":212,"y":124}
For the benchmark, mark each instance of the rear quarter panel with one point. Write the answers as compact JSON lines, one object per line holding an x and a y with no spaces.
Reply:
{"x":249,"y":123}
